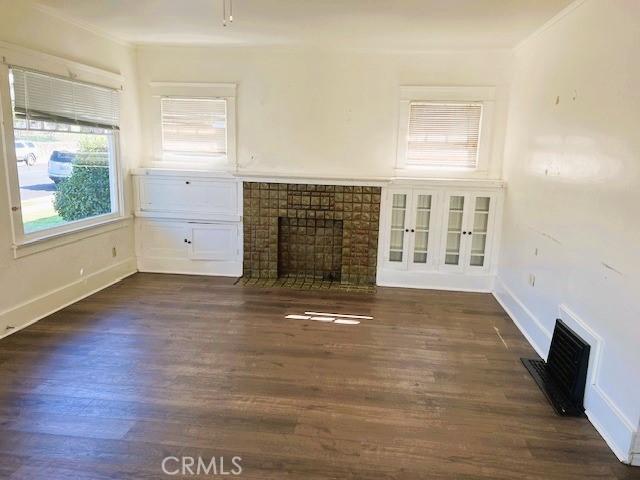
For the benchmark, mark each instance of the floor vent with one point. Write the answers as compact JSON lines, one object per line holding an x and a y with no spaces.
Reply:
{"x":563,"y":377}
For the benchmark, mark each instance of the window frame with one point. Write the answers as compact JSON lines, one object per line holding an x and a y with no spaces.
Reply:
{"x":483,"y":95}
{"x":185,"y":160}
{"x":50,"y":65}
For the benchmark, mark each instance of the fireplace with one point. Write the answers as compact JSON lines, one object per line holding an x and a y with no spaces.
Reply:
{"x":310,"y":248}
{"x":323,"y":232}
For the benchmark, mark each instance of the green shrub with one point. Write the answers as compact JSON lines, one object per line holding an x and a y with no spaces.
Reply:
{"x":92,"y":143}
{"x":86,"y":192}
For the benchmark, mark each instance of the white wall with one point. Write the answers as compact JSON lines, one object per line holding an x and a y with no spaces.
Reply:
{"x":572,"y":166}
{"x":312,"y":112}
{"x":36,"y":284}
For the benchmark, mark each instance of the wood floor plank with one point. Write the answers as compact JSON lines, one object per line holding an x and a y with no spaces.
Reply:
{"x":159,"y":365}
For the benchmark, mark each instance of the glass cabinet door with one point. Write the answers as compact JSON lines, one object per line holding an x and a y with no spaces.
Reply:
{"x":422,"y":222}
{"x":479,"y":232}
{"x":398,"y":221}
{"x":454,"y":230}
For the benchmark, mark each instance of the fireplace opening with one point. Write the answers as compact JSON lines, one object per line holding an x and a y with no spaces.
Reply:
{"x":310,"y":248}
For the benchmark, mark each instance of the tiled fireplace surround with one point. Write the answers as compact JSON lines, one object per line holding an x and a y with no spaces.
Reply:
{"x":327,"y":232}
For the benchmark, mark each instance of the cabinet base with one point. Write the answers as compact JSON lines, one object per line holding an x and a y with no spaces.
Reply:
{"x":190,"y":267}
{"x":436,"y":281}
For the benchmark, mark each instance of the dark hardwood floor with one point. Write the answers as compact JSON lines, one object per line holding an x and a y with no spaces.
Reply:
{"x":163,"y":365}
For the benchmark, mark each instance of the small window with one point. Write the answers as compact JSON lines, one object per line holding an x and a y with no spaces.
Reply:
{"x":443,"y":135}
{"x":194,"y":126}
{"x":65,"y":135}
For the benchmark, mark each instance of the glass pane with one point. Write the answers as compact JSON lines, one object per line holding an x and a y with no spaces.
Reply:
{"x":453,"y":242}
{"x":455,"y":221}
{"x":421,"y":235}
{"x":456,"y":203}
{"x":451,"y":259}
{"x":398,"y":218}
{"x":420,"y":257}
{"x":477,"y":260}
{"x":479,"y":236}
{"x":395,"y":256}
{"x":421,"y":241}
{"x":482,"y":204}
{"x":480,"y":222}
{"x":424,"y":201}
{"x":399,"y":200}
{"x":397,"y":239}
{"x":422,"y":219}
{"x":478,"y":244}
{"x":64,"y":176}
{"x":454,"y":230}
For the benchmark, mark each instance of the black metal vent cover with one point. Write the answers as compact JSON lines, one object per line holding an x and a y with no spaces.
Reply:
{"x":563,"y":378}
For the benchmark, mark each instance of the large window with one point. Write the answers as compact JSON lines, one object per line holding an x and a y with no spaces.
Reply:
{"x":65,"y":136}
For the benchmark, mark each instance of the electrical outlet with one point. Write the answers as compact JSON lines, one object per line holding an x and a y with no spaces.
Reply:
{"x":114,"y":252}
{"x":532,"y":280}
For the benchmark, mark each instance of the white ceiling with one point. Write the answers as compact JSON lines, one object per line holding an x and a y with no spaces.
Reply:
{"x":377,"y":24}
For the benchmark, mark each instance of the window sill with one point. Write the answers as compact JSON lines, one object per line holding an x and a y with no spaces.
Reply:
{"x":30,"y":247}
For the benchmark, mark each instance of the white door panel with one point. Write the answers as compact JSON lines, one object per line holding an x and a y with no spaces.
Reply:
{"x":188,"y":196}
{"x":214,"y":242}
{"x":164,"y":239}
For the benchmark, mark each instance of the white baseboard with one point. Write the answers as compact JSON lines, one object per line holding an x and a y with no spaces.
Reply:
{"x":185,"y":266}
{"x":435,"y":281}
{"x":29,"y":312}
{"x":610,"y":422}
{"x":535,"y":333}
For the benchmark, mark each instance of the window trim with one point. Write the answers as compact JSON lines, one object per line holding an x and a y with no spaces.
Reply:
{"x":176,"y":160}
{"x":49,"y":238}
{"x":484,"y":95}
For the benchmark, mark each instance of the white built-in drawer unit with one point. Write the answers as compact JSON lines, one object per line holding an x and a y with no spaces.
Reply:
{"x":188,"y":222}
{"x":436,"y":234}
{"x":188,"y":196}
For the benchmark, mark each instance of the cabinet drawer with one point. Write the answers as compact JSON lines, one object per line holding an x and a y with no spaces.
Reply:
{"x":188,"y":197}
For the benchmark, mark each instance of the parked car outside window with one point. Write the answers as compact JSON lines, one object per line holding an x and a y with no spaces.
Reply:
{"x":26,"y":152}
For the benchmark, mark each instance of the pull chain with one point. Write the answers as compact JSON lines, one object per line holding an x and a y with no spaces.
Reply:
{"x":227,"y":18}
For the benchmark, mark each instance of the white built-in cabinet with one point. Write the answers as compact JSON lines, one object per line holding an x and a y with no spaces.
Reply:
{"x":439,"y":236}
{"x":188,"y":222}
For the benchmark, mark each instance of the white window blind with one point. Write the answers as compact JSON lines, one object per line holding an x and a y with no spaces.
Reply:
{"x":194,"y":125}
{"x":43,"y":97}
{"x":444,"y":134}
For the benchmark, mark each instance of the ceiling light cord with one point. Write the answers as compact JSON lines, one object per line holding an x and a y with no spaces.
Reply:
{"x":227,"y":19}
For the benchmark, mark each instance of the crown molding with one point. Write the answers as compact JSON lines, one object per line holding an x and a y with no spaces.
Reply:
{"x":548,"y":24}
{"x":86,"y":26}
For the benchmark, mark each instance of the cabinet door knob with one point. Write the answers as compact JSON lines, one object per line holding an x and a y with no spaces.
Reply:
{"x":187,"y":182}
{"x":406,"y":230}
{"x":189,"y":242}
{"x":412,"y":230}
{"x":464,"y":233}
{"x":185,"y":240}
